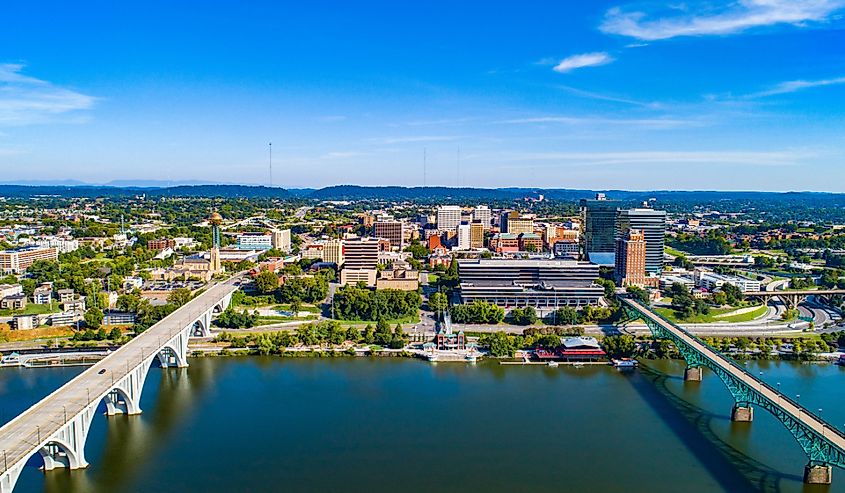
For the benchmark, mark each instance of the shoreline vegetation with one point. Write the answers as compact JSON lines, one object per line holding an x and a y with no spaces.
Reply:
{"x":330,"y":338}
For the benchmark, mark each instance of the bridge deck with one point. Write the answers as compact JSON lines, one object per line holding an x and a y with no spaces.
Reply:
{"x":791,"y":407}
{"x":795,"y":292}
{"x":19,"y":437}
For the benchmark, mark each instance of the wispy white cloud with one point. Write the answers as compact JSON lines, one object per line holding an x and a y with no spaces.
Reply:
{"x":26,"y":100}
{"x":797,"y":85}
{"x":415,"y":138}
{"x":608,"y":97}
{"x":654,"y":123}
{"x":573,"y":62}
{"x":727,"y":18}
{"x":750,"y":158}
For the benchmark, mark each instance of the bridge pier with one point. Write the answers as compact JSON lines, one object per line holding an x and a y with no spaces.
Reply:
{"x":742,"y":414}
{"x":818,"y":474}
{"x":692,"y":374}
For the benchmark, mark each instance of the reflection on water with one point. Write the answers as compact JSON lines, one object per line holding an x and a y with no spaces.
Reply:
{"x":381,"y":425}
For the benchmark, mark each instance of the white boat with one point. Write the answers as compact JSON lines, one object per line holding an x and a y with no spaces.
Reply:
{"x":13,"y":359}
{"x":624,"y":363}
{"x":553,"y":364}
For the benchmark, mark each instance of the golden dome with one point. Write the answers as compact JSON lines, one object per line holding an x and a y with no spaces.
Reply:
{"x":215,"y":218}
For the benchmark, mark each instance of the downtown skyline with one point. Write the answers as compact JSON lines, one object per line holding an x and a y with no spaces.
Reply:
{"x":732,"y":96}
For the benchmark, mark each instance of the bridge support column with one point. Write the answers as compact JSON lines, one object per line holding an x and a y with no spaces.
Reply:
{"x":692,"y":374}
{"x":9,"y":478}
{"x":818,"y":474}
{"x":742,"y":414}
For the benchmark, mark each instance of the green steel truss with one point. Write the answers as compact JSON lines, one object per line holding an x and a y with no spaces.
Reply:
{"x":818,"y":448}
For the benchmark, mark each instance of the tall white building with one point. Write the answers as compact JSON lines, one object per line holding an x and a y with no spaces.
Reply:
{"x":281,"y":240}
{"x":464,"y":237}
{"x":448,"y":217}
{"x":483,"y":215}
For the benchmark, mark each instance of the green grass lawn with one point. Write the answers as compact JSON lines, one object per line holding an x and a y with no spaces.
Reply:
{"x":276,"y":320}
{"x":405,"y":320}
{"x":302,"y":308}
{"x":432,"y":278}
{"x":32,"y":309}
{"x":712,"y":317}
{"x":673,"y":252}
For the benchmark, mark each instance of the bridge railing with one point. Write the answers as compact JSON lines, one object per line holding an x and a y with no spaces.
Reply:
{"x":739,"y":367}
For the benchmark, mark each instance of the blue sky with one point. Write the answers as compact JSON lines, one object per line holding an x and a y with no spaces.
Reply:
{"x":746,"y":94}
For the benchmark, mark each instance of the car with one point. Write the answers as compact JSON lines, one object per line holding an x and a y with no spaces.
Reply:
{"x":101,"y":371}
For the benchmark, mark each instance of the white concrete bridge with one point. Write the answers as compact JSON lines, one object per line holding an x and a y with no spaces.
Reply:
{"x":57,"y":427}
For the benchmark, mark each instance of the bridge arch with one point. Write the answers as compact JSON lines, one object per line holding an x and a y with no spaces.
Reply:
{"x":170,"y":356}
{"x":56,"y":453}
{"x":199,"y":329}
{"x":119,"y":401}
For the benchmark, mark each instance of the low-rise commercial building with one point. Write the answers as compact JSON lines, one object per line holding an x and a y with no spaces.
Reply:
{"x":543,"y":284}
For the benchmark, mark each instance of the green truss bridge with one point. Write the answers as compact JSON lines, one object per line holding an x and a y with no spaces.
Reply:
{"x":822,"y":442}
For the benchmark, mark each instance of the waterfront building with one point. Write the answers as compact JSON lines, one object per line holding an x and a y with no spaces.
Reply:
{"x":652,"y":223}
{"x":599,"y":234}
{"x":545,"y":284}
{"x":392,"y":231}
{"x":630,"y":259}
{"x":118,"y":318}
{"x":16,"y":261}
{"x":448,"y":217}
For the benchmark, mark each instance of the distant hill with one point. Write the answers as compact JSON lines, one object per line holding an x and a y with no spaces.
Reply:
{"x":24,"y":191}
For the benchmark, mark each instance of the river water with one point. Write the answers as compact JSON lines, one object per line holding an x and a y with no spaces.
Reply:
{"x":256,"y":424}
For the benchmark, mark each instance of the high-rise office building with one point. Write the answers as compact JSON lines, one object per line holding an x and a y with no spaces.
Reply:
{"x":483,"y":215}
{"x":512,"y":222}
{"x":630,"y":259}
{"x":360,"y":254}
{"x":391,"y":231}
{"x":599,"y":229}
{"x":281,"y":240}
{"x":476,"y":235}
{"x":464,"y":237}
{"x":448,"y":217}
{"x":652,"y":223}
{"x":333,"y":252}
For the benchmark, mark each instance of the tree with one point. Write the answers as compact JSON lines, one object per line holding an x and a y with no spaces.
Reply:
{"x":564,"y":316}
{"x":93,"y":318}
{"x":639,"y":294}
{"x":500,"y":344}
{"x":266,"y":282}
{"x":621,"y":346}
{"x":438,"y":302}
{"x":524,"y":316}
{"x":179,"y":296}
{"x":383,"y":335}
{"x":733,"y":295}
{"x":115,"y":334}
